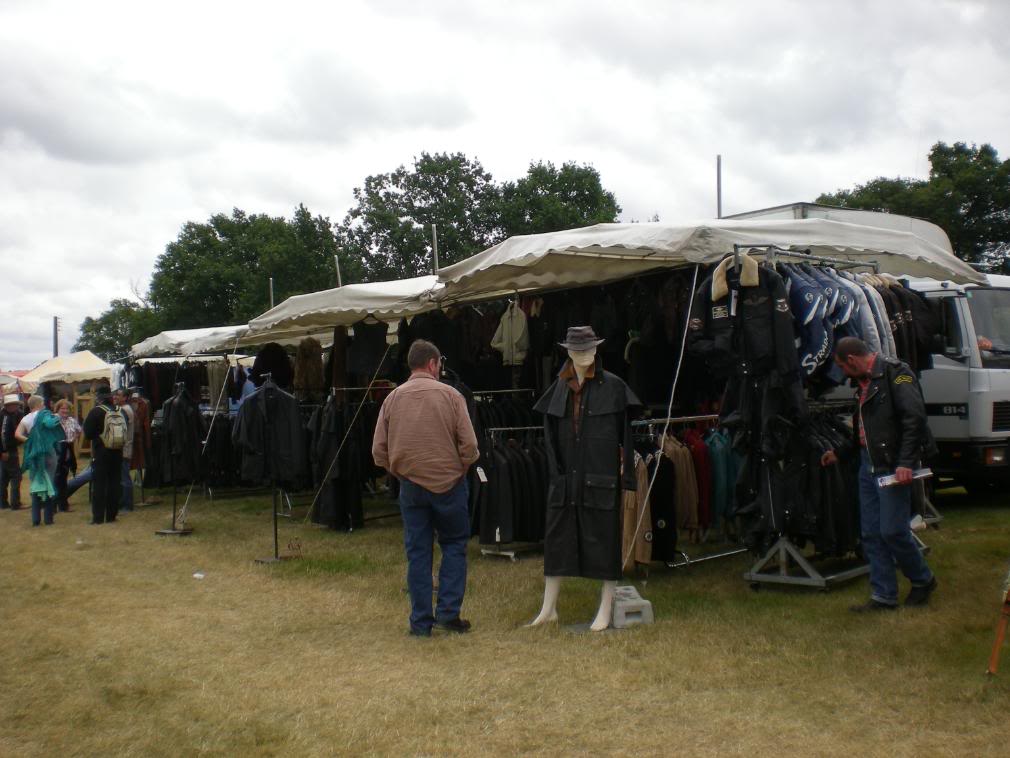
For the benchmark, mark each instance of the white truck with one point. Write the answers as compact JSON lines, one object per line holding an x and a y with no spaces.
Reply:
{"x":967,"y":391}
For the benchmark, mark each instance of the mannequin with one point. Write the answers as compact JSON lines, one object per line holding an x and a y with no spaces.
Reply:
{"x":583,"y":541}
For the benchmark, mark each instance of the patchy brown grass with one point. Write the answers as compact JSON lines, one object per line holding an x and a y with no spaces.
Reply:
{"x":110,"y":646}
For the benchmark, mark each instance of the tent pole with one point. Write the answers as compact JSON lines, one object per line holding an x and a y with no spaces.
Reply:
{"x":434,"y":246}
{"x":718,"y":186}
{"x":336,"y":262}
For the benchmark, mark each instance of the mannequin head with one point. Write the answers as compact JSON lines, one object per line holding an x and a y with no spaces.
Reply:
{"x":583,"y":358}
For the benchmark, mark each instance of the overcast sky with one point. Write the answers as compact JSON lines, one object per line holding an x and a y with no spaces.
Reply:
{"x":118,"y":123}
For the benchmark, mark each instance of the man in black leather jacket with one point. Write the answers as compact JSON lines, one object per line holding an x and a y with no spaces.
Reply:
{"x":890,"y":427}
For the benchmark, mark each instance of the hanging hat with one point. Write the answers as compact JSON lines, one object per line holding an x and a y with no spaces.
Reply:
{"x":8,"y":399}
{"x":580,"y":338}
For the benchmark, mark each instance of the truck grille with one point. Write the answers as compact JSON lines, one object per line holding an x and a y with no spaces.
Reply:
{"x":1001,"y":417}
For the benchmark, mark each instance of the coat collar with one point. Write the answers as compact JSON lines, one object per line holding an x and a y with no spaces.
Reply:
{"x":571,"y":378}
{"x":748,"y":276}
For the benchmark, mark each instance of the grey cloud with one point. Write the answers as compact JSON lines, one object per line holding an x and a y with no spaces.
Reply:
{"x":330,"y":100}
{"x":76,"y":114}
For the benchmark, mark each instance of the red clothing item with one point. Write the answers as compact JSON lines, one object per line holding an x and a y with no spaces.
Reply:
{"x":703,"y":473}
{"x":864,"y":387}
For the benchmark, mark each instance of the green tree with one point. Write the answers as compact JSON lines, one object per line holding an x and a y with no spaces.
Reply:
{"x":123,"y":324}
{"x":967,"y":194}
{"x":218,"y":272}
{"x":549,"y":199}
{"x":389,"y":228}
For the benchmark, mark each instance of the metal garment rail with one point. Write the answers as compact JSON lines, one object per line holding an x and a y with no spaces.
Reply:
{"x":482,"y":393}
{"x":774,"y":251}
{"x":514,"y":429}
{"x":676,"y":419}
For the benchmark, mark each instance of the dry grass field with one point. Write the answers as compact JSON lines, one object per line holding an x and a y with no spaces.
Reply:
{"x":110,"y":646}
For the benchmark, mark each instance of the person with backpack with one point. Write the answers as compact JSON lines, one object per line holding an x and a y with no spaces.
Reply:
{"x":106,"y":428}
{"x":122,"y":401}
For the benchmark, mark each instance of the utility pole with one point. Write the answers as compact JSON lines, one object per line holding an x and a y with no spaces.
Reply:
{"x":718,"y":186}
{"x":56,"y":336}
{"x":434,"y":246}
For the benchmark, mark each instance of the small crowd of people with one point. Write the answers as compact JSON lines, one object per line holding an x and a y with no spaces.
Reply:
{"x":39,"y":443}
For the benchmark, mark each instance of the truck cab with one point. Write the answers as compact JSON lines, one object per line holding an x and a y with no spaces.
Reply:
{"x":967,"y":392}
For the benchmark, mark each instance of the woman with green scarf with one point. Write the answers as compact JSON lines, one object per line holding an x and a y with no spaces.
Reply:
{"x":41,"y":458}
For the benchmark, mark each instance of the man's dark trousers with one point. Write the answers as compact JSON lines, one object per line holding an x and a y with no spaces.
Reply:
{"x":105,"y":485}
{"x":11,"y":479}
{"x":425,"y":513}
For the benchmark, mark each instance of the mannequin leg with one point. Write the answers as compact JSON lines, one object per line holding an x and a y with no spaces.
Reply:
{"x":606,"y":612}
{"x":549,"y":613}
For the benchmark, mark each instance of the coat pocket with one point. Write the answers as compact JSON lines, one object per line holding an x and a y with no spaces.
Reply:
{"x":556,"y":492}
{"x":600,"y":492}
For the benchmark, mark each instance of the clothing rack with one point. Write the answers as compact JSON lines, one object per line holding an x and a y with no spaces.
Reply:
{"x":481,"y":393}
{"x":774,"y":567}
{"x":774,"y":251}
{"x":676,"y":420}
{"x":501,"y":392}
{"x":514,"y":429}
{"x":513,"y":551}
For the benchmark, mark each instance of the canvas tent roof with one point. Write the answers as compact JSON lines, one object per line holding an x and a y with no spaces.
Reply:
{"x":186,"y":341}
{"x":607,"y":252}
{"x":316,"y":313}
{"x":75,"y":367}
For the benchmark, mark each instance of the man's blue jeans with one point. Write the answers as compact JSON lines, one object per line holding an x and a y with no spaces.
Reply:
{"x":126,"y":499}
{"x":80,"y":480}
{"x":424,"y":513}
{"x":885,"y":513}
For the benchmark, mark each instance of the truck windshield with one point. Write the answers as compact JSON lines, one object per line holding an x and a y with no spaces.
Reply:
{"x":990,"y":312}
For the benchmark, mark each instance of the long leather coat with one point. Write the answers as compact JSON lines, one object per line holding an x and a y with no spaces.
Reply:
{"x":268,"y":431}
{"x":583,"y":529}
{"x":182,"y":438}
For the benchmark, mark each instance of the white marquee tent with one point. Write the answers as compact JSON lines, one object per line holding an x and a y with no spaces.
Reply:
{"x":74,"y":367}
{"x":607,"y":252}
{"x":316,"y":313}
{"x":187,"y":341}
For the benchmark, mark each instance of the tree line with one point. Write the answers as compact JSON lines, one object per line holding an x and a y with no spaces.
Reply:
{"x":217,"y":272}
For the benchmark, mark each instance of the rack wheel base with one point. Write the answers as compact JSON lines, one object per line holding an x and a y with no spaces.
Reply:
{"x":177,"y":532}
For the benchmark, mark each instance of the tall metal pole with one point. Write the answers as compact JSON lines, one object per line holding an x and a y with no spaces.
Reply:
{"x":56,"y":338}
{"x":336,"y":262}
{"x":271,"y":292}
{"x":718,"y":186}
{"x":434,"y":246}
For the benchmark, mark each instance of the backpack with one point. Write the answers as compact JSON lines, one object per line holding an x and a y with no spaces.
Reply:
{"x":114,"y":430}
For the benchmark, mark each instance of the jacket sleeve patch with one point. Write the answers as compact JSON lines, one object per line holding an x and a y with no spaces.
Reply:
{"x":903,"y":379}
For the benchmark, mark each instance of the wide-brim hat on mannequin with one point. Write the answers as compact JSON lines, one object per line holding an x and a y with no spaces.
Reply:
{"x":580,"y":338}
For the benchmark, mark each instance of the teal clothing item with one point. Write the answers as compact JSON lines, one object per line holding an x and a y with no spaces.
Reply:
{"x":725,"y":469}
{"x":722,"y":487}
{"x":40,"y":453}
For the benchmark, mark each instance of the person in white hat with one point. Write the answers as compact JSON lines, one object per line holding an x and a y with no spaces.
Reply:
{"x":10,"y":462}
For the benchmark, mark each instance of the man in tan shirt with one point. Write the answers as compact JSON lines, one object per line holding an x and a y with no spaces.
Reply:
{"x":425,"y":439}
